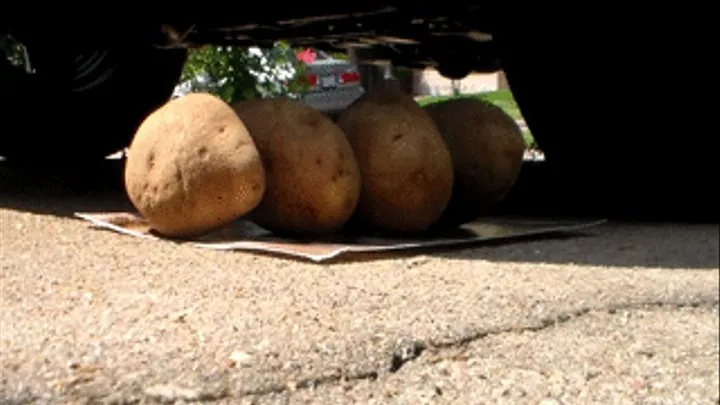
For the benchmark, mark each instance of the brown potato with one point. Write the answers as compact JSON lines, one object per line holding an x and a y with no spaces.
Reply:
{"x":313,"y":182}
{"x":405,"y":166}
{"x":192,"y":167}
{"x":487,"y":149}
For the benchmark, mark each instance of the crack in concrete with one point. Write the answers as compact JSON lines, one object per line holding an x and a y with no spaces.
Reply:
{"x":405,"y":352}
{"x":465,"y":340}
{"x":418,"y":346}
{"x":544,"y":323}
{"x":566,"y":317}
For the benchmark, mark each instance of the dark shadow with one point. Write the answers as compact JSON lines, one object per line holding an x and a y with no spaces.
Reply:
{"x":553,"y":190}
{"x":614,"y":244}
{"x":65,"y":188}
{"x":638,"y":234}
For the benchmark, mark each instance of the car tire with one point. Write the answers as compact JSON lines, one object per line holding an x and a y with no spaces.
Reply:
{"x":87,"y":109}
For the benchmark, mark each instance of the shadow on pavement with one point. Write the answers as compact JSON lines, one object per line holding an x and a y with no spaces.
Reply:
{"x":61,"y":189}
{"x":64,"y":189}
{"x":615,"y":244}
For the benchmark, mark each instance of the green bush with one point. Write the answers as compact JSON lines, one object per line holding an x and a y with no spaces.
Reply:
{"x":239,"y":73}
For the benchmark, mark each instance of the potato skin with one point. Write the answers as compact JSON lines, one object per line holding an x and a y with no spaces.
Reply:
{"x":313,"y":180}
{"x":487,"y":150}
{"x":404,"y":162}
{"x":193,"y":167}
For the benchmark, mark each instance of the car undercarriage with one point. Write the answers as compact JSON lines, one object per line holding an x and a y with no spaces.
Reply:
{"x":610,"y":154}
{"x":384,"y":36}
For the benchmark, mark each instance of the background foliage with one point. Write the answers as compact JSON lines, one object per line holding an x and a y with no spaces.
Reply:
{"x":237,"y":73}
{"x":12,"y":50}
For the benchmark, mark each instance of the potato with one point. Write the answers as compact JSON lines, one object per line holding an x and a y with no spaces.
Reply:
{"x":405,"y":166}
{"x":192,"y":167}
{"x":487,"y":149}
{"x":313,"y":181}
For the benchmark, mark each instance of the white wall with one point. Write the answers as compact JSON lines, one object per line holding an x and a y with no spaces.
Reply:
{"x":430,"y":83}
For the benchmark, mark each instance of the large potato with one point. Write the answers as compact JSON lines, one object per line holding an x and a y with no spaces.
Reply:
{"x":193,"y":167}
{"x":313,"y":182}
{"x":405,"y":166}
{"x":487,"y":149}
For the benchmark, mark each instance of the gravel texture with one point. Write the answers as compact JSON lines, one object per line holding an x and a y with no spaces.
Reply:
{"x":625,"y":315}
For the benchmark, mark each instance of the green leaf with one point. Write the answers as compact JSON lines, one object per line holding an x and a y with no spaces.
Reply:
{"x":247,"y":73}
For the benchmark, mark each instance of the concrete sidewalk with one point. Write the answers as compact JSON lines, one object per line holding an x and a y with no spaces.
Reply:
{"x":625,"y":315}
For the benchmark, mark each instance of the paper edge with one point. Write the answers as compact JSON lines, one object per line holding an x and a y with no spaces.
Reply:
{"x":260,"y":246}
{"x":251,"y":245}
{"x":116,"y":228}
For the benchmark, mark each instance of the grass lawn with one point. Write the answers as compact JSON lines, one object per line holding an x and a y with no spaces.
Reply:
{"x":501,"y":98}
